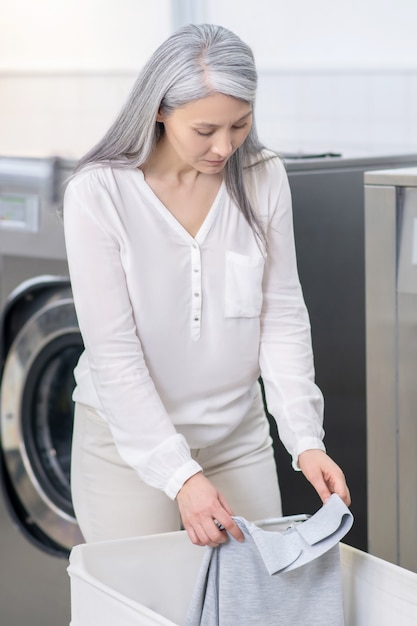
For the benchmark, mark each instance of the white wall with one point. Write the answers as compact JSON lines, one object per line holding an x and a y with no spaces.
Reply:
{"x":66,"y":67}
{"x":68,"y":36}
{"x":324,"y":34}
{"x":335,"y":75}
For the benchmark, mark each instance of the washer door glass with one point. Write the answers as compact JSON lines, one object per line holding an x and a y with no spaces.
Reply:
{"x":36,"y":423}
{"x":47,"y":417}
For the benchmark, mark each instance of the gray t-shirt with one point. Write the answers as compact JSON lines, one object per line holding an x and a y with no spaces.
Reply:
{"x":289,"y":578}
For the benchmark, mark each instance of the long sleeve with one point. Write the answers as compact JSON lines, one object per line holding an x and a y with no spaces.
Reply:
{"x":286,"y":358}
{"x":142,"y":429}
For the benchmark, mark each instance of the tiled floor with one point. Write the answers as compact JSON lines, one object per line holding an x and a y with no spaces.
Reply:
{"x":34,"y":587}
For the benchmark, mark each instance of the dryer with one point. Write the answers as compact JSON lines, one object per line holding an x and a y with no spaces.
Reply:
{"x":39,"y":345}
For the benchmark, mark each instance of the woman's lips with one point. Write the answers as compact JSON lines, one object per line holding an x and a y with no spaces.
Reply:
{"x":219,"y":162}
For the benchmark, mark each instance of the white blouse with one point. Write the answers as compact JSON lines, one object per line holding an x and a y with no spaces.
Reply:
{"x":177,"y":329}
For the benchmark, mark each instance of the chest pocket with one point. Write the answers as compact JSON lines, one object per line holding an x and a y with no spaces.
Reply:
{"x":243,"y":285}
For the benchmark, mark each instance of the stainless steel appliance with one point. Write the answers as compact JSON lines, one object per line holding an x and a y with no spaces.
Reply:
{"x":39,"y":345}
{"x":328,"y":201}
{"x":391,"y":348}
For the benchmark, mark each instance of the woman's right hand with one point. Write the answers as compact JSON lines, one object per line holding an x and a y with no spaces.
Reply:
{"x":201,"y":506}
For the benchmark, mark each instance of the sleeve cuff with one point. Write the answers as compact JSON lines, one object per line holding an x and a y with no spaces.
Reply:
{"x":181,"y":475}
{"x":309,"y":443}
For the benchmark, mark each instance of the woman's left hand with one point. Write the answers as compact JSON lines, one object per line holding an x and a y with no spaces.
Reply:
{"x":324,"y":474}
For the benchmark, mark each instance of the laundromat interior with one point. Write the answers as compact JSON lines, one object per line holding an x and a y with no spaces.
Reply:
{"x":337,"y":99}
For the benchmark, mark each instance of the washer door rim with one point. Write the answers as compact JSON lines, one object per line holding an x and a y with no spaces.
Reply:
{"x":52,"y":321}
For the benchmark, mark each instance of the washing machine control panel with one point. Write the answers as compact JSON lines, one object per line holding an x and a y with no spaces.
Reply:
{"x":19,"y":212}
{"x":31,"y":195}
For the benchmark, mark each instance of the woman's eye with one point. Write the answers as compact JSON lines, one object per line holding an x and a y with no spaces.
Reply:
{"x":211,"y":132}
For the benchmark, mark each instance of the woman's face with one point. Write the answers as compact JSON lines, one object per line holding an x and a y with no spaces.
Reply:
{"x":203,"y":134}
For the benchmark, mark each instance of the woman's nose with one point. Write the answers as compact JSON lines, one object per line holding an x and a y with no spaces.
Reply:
{"x":222,"y":145}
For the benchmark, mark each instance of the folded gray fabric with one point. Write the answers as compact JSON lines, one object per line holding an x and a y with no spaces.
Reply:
{"x":289,"y":578}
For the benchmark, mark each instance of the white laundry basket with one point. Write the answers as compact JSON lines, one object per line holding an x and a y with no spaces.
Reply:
{"x":149,"y":580}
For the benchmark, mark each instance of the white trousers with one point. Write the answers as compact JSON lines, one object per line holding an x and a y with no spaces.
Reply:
{"x":112,"y":502}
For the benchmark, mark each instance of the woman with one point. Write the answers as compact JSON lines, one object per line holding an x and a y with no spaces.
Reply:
{"x":180,"y":247}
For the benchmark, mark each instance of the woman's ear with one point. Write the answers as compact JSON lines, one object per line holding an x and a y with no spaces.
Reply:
{"x":160,"y":117}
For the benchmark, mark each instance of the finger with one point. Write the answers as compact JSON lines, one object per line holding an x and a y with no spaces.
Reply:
{"x":233,"y":529}
{"x":220,"y":535}
{"x":337,"y":484}
{"x":228,"y":523}
{"x":226,"y":520}
{"x":218,"y":524}
{"x":193,"y":536}
{"x":346,"y":498}
{"x":321,"y":487}
{"x":208,"y":534}
{"x":225,"y":504}
{"x":342,"y":490}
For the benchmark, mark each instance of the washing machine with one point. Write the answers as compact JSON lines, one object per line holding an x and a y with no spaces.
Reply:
{"x":39,"y":346}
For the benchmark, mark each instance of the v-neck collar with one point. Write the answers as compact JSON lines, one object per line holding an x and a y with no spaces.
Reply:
{"x":169,"y":217}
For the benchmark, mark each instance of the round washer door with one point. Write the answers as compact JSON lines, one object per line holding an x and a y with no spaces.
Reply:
{"x":37,"y":420}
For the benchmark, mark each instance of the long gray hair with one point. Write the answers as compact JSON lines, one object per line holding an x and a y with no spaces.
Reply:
{"x":193,"y":63}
